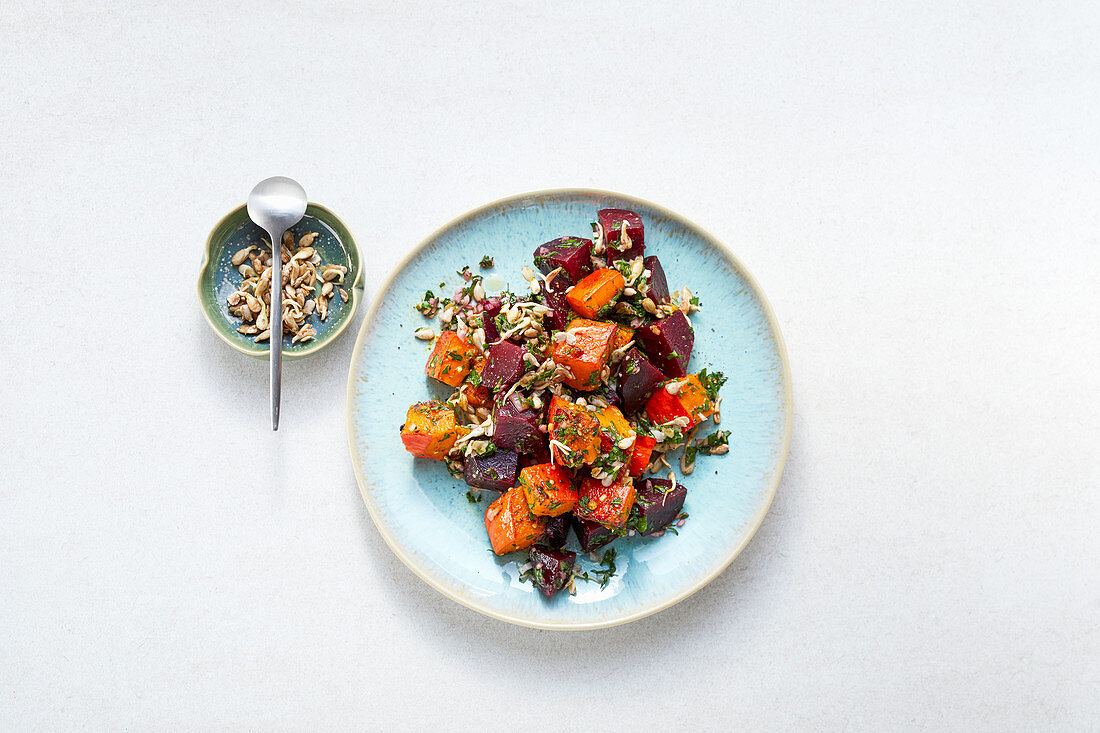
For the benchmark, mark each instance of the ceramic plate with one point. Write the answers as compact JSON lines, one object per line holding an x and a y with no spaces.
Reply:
{"x":423,"y":512}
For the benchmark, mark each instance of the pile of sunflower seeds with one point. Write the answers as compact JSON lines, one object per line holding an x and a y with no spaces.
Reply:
{"x":308,"y":286}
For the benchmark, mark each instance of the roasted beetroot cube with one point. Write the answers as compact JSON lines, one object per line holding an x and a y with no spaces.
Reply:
{"x":552,"y":569}
{"x":557,"y":530}
{"x":658,"y":283}
{"x":613,"y":222}
{"x":593,"y":535}
{"x":638,"y":379}
{"x":503,"y":366}
{"x":496,"y":471}
{"x":492,"y":310}
{"x":572,"y":254}
{"x":554,"y":298}
{"x":541,"y":454}
{"x":656,"y":504}
{"x":514,"y":428}
{"x":668,"y":343}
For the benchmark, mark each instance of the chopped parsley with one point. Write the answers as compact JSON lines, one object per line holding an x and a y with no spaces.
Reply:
{"x":486,"y":263}
{"x":472,"y":497}
{"x":604,"y":573}
{"x":712,"y":382}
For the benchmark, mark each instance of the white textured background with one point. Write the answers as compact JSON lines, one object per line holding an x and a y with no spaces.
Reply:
{"x":916,"y":185}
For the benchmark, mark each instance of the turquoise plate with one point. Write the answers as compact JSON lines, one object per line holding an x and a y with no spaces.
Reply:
{"x":423,"y":513}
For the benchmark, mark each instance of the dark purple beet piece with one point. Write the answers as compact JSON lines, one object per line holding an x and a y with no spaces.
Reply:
{"x":638,"y":379}
{"x":572,"y":254}
{"x":492,"y":310}
{"x":541,"y":454}
{"x":657,"y":503}
{"x":503,"y":366}
{"x":514,"y":428}
{"x":496,"y":471}
{"x":554,"y":298}
{"x":553,"y":569}
{"x":608,"y":393}
{"x":668,"y":343}
{"x":592,"y":535}
{"x":557,"y":530}
{"x":658,"y":283}
{"x":613,"y":221}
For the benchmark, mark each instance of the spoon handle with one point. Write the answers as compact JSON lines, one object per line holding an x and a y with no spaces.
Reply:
{"x":276,"y":339}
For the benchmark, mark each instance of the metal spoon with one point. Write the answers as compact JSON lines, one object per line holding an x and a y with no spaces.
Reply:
{"x":275,"y":205}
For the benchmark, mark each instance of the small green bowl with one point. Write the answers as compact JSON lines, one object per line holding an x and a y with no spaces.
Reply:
{"x":218,"y":278}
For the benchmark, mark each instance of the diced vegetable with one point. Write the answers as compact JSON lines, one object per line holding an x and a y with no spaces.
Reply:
{"x":557,"y":530}
{"x":492,"y":310}
{"x":450,"y":359}
{"x":687,"y":400}
{"x":554,"y":298}
{"x":430,"y":429}
{"x":622,"y":337}
{"x":642,"y":452}
{"x":575,"y":428}
{"x":572,"y":254}
{"x":584,"y":352}
{"x":596,"y":291}
{"x":593,"y":535}
{"x":614,"y":222}
{"x":496,"y":471}
{"x":657,"y":505}
{"x":510,"y":523}
{"x":614,"y":428}
{"x":515,"y":428}
{"x":552,"y":569}
{"x":503,"y":366}
{"x":608,"y":505}
{"x":668,"y":343}
{"x":638,"y":379}
{"x":658,"y":283}
{"x":549,"y":489}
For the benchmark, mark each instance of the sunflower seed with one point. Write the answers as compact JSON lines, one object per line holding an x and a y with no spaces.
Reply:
{"x":264,"y":335}
{"x":424,"y":333}
{"x":343,"y":295}
{"x":528,"y":273}
{"x":326,"y":289}
{"x":649,"y":305}
{"x":241,"y":255}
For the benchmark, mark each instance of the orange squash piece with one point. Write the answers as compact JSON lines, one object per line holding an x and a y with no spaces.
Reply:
{"x":430,"y":429}
{"x":622,"y":337}
{"x":548,"y":488}
{"x":642,"y":452}
{"x":476,"y":396}
{"x":584,"y":352}
{"x":613,"y":425}
{"x":608,"y":505}
{"x":596,"y":291}
{"x":690,"y":401}
{"x":575,"y":428}
{"x":451,"y":359}
{"x":510,"y":523}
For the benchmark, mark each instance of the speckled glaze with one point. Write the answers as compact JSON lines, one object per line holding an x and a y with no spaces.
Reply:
{"x":422,"y":511}
{"x":218,"y":278}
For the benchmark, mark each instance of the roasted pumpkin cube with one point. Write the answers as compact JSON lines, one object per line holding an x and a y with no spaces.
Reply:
{"x":686,"y":398}
{"x":622,"y":337}
{"x":510,"y":523}
{"x":430,"y":429}
{"x":608,"y":505}
{"x":595,"y":292}
{"x":641,"y":453}
{"x":549,"y":489}
{"x":584,"y":352}
{"x":576,"y":429}
{"x":614,"y":426}
{"x":451,"y":359}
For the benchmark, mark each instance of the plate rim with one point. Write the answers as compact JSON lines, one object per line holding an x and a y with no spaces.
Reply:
{"x":755,"y":521}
